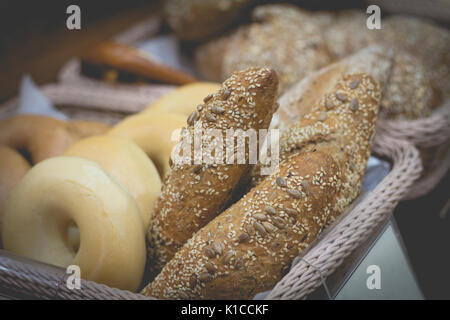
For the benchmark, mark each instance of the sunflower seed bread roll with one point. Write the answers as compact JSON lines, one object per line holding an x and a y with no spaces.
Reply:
{"x":193,"y":194}
{"x":248,"y":248}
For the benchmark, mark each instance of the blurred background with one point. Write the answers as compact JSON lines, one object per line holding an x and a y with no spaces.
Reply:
{"x":34,"y":39}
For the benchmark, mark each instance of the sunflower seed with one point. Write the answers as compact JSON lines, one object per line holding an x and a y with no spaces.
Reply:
{"x":196,"y":168}
{"x":354,"y":84}
{"x":260,"y":228}
{"x":304,"y":238}
{"x":207,"y":98}
{"x":192,"y":118}
{"x":290,"y":211}
{"x":218,"y":247}
{"x":243,"y":237}
{"x":210,"y":117}
{"x":192,"y":281}
{"x":294,"y":193}
{"x":239,"y":263}
{"x":341,"y":97}
{"x":354,"y":104}
{"x":199,"y":107}
{"x":260,"y":216}
{"x":217,"y":110}
{"x":250,"y":230}
{"x":210,"y":268}
{"x":226,"y":94}
{"x":227,"y":256}
{"x":305,"y":185}
{"x":322,"y":116}
{"x":205,"y":277}
{"x":270,"y":210}
{"x":280,"y":181}
{"x":268,"y":226}
{"x":210,"y":253}
{"x":279,"y":222}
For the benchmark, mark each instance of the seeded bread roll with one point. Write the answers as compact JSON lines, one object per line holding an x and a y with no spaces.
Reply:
{"x":348,"y":33}
{"x":198,"y":19}
{"x":284,"y":38}
{"x":249,"y":247}
{"x":193,"y":194}
{"x":375,"y":61}
{"x":210,"y":55}
{"x":410,"y":92}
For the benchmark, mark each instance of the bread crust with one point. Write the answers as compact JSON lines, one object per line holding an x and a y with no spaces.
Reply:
{"x":249,"y":247}
{"x":194,"y":194}
{"x":282,"y":37}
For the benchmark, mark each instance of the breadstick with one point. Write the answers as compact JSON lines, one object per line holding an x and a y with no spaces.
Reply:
{"x":248,"y":248}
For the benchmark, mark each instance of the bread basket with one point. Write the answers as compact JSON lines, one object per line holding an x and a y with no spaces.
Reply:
{"x":25,"y":278}
{"x":80,"y":97}
{"x":431,"y":136}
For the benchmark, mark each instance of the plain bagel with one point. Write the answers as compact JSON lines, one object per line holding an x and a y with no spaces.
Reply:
{"x":12,"y":168}
{"x":154,"y":132}
{"x":128,"y":164}
{"x":63,"y":190}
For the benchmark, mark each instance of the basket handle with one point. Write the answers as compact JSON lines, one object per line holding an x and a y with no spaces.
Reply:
{"x":357,"y":226}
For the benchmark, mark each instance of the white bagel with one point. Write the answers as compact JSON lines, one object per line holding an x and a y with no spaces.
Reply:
{"x":128,"y":164}
{"x":62,"y":190}
{"x":184,"y":99}
{"x":154,"y":133}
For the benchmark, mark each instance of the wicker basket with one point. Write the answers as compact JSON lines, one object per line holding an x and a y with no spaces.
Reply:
{"x":79,"y":97}
{"x":431,"y":136}
{"x":31,"y":279}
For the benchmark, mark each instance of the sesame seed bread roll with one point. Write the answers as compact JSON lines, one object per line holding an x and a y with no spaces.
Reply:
{"x":282,"y":37}
{"x":193,"y":194}
{"x":375,"y":61}
{"x":248,"y":248}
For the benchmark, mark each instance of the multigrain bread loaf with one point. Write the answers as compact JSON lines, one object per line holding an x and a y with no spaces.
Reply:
{"x":249,"y":247}
{"x":427,"y":42}
{"x":282,"y":37}
{"x":194,"y":193}
{"x":410,"y":91}
{"x":198,"y":19}
{"x":348,"y":33}
{"x":375,"y":61}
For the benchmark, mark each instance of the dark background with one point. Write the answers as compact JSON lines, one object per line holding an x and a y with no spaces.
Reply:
{"x":34,"y":39}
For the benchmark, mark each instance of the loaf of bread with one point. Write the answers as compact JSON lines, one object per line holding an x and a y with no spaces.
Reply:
{"x":282,"y":37}
{"x":193,"y":193}
{"x":199,"y":19}
{"x":347,"y":33}
{"x":426,"y":41}
{"x":375,"y":61}
{"x":248,"y":248}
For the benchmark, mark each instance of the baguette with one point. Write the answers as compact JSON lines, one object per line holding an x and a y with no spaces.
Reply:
{"x":192,"y":195}
{"x":248,"y":248}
